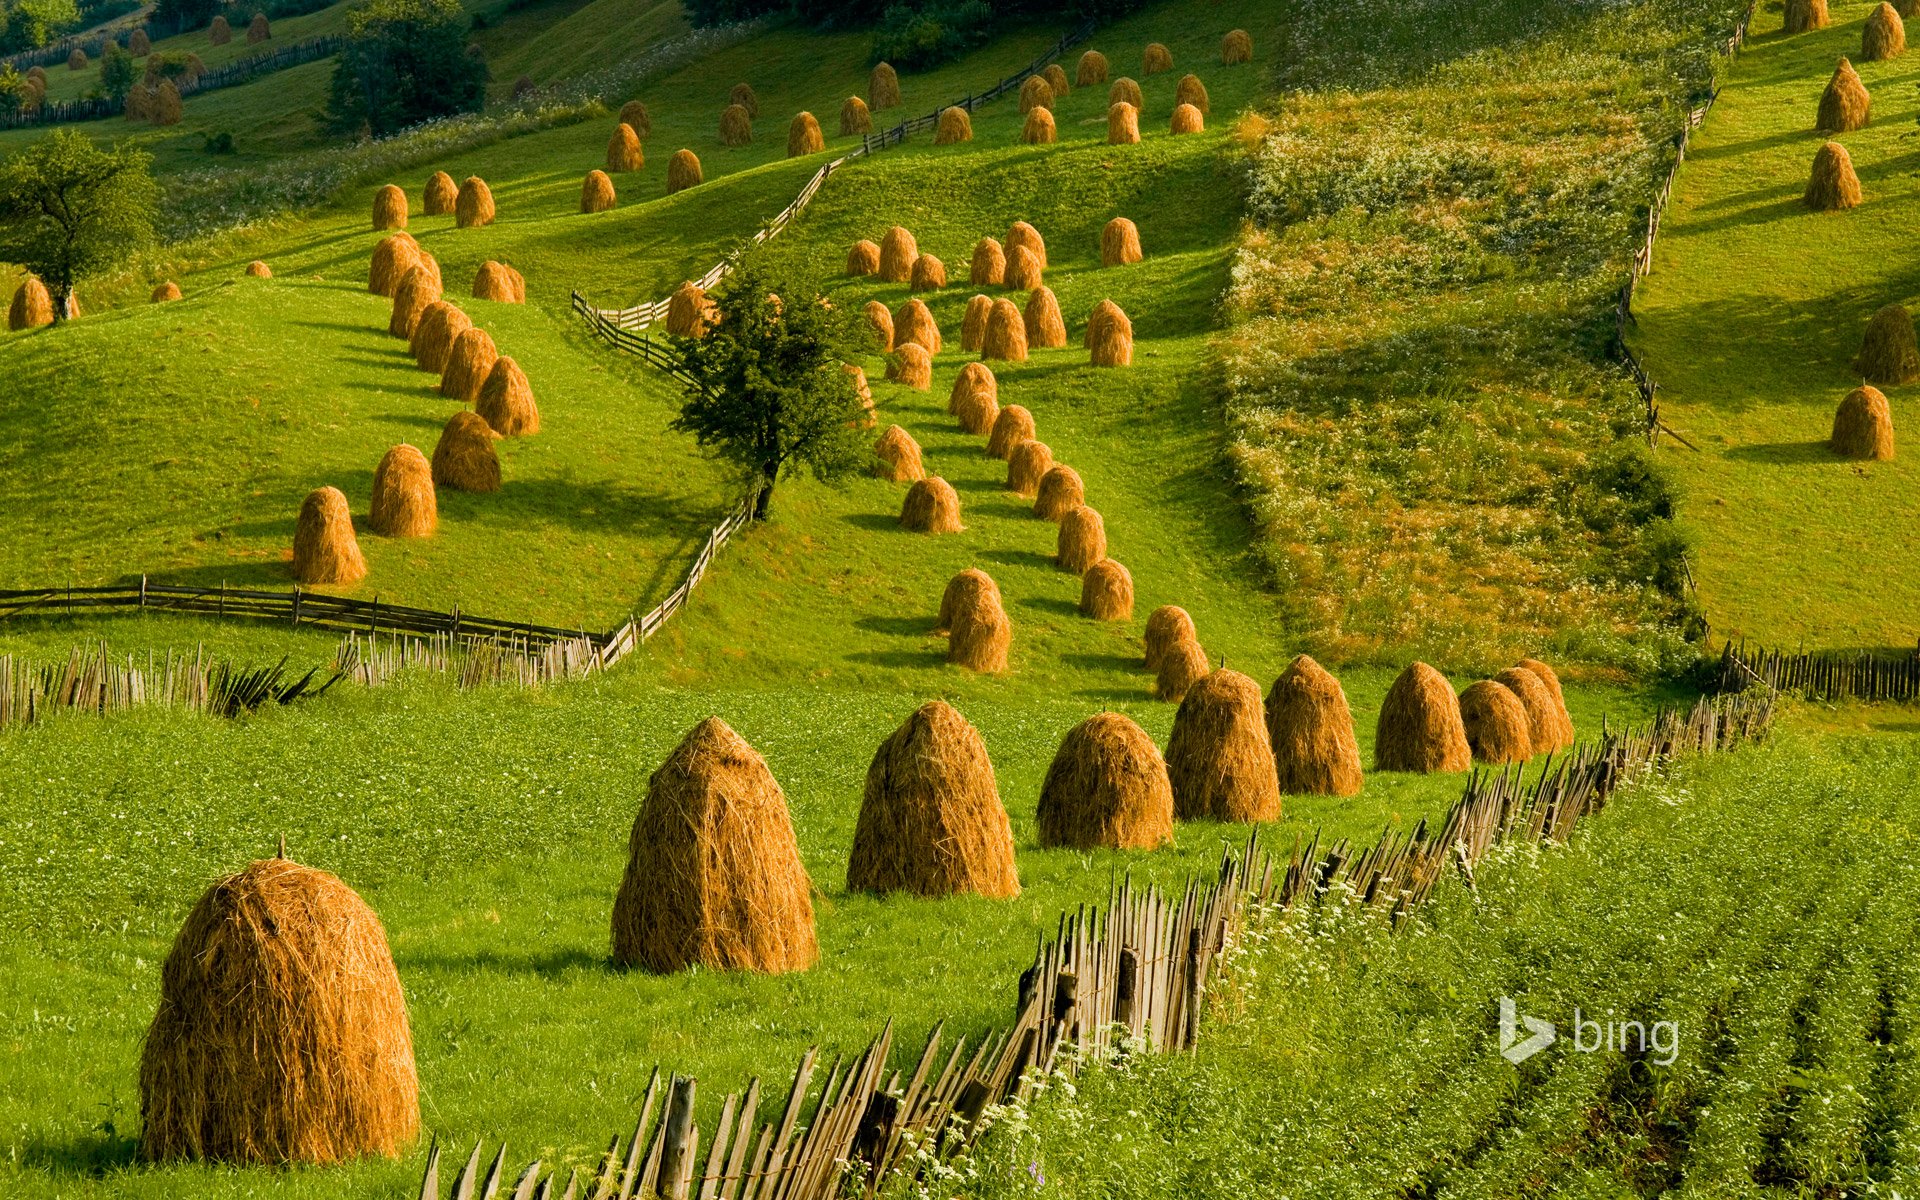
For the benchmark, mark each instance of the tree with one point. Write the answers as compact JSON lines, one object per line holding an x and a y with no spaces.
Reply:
{"x":69,"y":209}
{"x":768,"y":387}
{"x":406,"y":61}
{"x":117,"y":71}
{"x":15,"y":91}
{"x":183,"y":15}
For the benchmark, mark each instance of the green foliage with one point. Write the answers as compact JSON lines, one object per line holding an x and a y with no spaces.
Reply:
{"x":29,"y":24}
{"x":118,"y":72}
{"x":406,"y":61}
{"x":186,"y":14}
{"x":14,"y":90}
{"x":69,"y":209}
{"x":914,"y":37}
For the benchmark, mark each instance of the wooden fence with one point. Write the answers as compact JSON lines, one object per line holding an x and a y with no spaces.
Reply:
{"x":1123,"y":978}
{"x":245,"y":70}
{"x":94,"y":681}
{"x":1823,"y":674}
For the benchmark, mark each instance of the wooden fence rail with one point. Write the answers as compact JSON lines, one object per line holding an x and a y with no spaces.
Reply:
{"x":53,"y":112}
{"x":92,"y":680}
{"x":1872,"y":675}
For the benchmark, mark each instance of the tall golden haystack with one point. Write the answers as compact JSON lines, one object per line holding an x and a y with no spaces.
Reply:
{"x":689,"y":312}
{"x":978,"y":631}
{"x":624,"y":152}
{"x":1156,"y":59}
{"x":596,"y":192}
{"x":931,"y":506}
{"x":1027,"y":466}
{"x":77,"y":61}
{"x":1186,"y":119}
{"x":1863,"y":426}
{"x":163,"y":292}
{"x":1845,"y":106}
{"x":1036,"y":92}
{"x":956,"y":125}
{"x":1046,"y":328}
{"x":975,"y":379}
{"x":736,"y":126}
{"x":1546,"y":718}
{"x":634,"y":114}
{"x":1805,"y":15}
{"x":931,"y":822}
{"x":403,"y":497}
{"x":259,"y":270}
{"x":219,"y":33}
{"x":914,"y":324}
{"x":392,"y":258}
{"x":883,"y":88}
{"x":1106,"y":592}
{"x":1182,"y":665}
{"x":434,"y":334}
{"x":258,"y":30}
{"x":1022,"y":233}
{"x":493,"y":282}
{"x":1092,"y":69}
{"x":977,"y":413}
{"x":898,"y":456}
{"x":1498,"y":731}
{"x":714,"y":877}
{"x":1551,"y":678}
{"x":281,"y":1035}
{"x":855,"y":116}
{"x":683,"y":171}
{"x":1167,"y":627}
{"x":973,"y":325}
{"x":324,"y":548}
{"x":473,"y":207}
{"x":138,"y":105}
{"x":897,"y":252}
{"x":1081,"y":541}
{"x":32,"y":305}
{"x":1419,"y":728}
{"x":1236,"y":48}
{"x":390,"y":208}
{"x":743,"y":95}
{"x":989,"y":264}
{"x":1888,"y":354}
{"x":1126,"y":91}
{"x":804,"y":136}
{"x":441,"y":196}
{"x":1120,"y":243}
{"x":1832,"y":185}
{"x":1310,"y":726}
{"x":880,"y":320}
{"x":1056,"y":77}
{"x":1011,"y":427}
{"x":911,"y":365}
{"x":1039,"y":129}
{"x":1123,"y":125}
{"x":929,"y":274}
{"x":966,"y":589}
{"x":1191,"y":91}
{"x":138,"y":44}
{"x":506,"y":400}
{"x":1059,"y":493}
{"x":1885,"y":35}
{"x":1219,"y":757}
{"x":463,"y":458}
{"x":415,"y":292}
{"x":1107,"y":787}
{"x":1024,"y":272}
{"x":863,"y":258}
{"x":1110,"y":336}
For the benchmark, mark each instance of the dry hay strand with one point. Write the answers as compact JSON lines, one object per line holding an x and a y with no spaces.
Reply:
{"x":1006,"y":336}
{"x":506,"y":400}
{"x":1310,"y":728}
{"x":863,"y":258}
{"x":931,"y":506}
{"x":1126,"y":91}
{"x":77,"y":61}
{"x":596,"y":192}
{"x":880,"y":321}
{"x":469,"y":360}
{"x":416,"y":291}
{"x":403,"y":499}
{"x":975,"y":379}
{"x":736,"y":126}
{"x":258,"y":30}
{"x":1056,"y":77}
{"x":973,"y":326}
{"x":1036,"y":92}
{"x":883,"y":88}
{"x":855,"y":116}
{"x":281,"y":1034}
{"x":1803,"y":16}
{"x":1024,"y":272}
{"x":392,"y":258}
{"x":1110,"y":336}
{"x":965,"y":590}
{"x":1498,"y":731}
{"x":1186,"y":119}
{"x":978,"y":631}
{"x":1107,"y":787}
{"x":689,"y":312}
{"x":1039,"y":129}
{"x":683,"y":171}
{"x":1182,"y":665}
{"x":464,"y":458}
{"x":1845,"y":106}
{"x":32,"y":305}
{"x":324,"y":548}
{"x":390,"y":208}
{"x":1046,"y":328}
{"x":1120,"y":243}
{"x":494,"y":281}
{"x":1106,"y":592}
{"x":1546,"y":719}
{"x":804,"y":136}
{"x":259,"y":270}
{"x":978,"y":412}
{"x":1888,"y":353}
{"x":473,"y":207}
{"x":714,"y":877}
{"x":1236,"y":48}
{"x":1156,"y":59}
{"x":897,"y":252}
{"x":635,"y":116}
{"x":989,"y":265}
{"x":37,"y":75}
{"x":1419,"y":728}
{"x":1091,"y":69}
{"x":1021,"y":233}
{"x":914,"y":324}
{"x":1885,"y":35}
{"x":899,"y":456}
{"x":929,"y":274}
{"x":166,"y":108}
{"x":1059,"y":493}
{"x":1027,"y":466}
{"x":1219,"y":758}
{"x":1907,"y":8}
{"x":1191,"y":91}
{"x":219,"y":33}
{"x":931,"y":821}
{"x":1863,"y":426}
{"x":1832,"y":185}
{"x":434,"y":334}
{"x":1013,"y":426}
{"x":624,"y":152}
{"x":1081,"y":541}
{"x":168,"y":290}
{"x":441,"y":195}
{"x":956,"y":125}
{"x":1167,"y":627}
{"x":1123,"y":124}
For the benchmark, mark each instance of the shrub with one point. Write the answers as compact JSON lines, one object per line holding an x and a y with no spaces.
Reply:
{"x":406,"y":61}
{"x":915,"y":38}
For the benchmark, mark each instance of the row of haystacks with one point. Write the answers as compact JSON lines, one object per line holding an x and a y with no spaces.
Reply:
{"x":470,"y":203}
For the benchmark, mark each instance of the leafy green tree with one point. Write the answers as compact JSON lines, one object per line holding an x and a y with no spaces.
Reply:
{"x":41,"y":21}
{"x":406,"y":61}
{"x":69,"y":209}
{"x":768,"y":387}
{"x":13,"y":91}
{"x":118,"y":72}
{"x":186,"y":14}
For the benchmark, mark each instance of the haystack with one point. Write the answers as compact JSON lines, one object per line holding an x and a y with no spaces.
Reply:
{"x":855,"y":117}
{"x":1039,"y":129}
{"x":1106,"y":592}
{"x":281,"y":1034}
{"x":32,"y":305}
{"x":390,"y":208}
{"x":689,"y":312}
{"x":863,"y":258}
{"x":169,"y":290}
{"x":897,"y":252}
{"x":411,"y":297}
{"x":1186,"y":119}
{"x":464,"y":459}
{"x":634,"y":114}
{"x":1419,"y":728}
{"x":473,"y":207}
{"x":973,"y":325}
{"x":1123,"y":125}
{"x":931,"y":506}
{"x":866,"y":419}
{"x":1183,"y":665}
{"x":1551,"y":678}
{"x":77,"y":61}
{"x":403,"y":499}
{"x":506,"y":400}
{"x":899,"y":456}
{"x":469,"y":360}
{"x":1167,"y":627}
{"x":1107,"y":787}
{"x":989,"y":265}
{"x":975,"y":379}
{"x":1023,"y":272}
{"x":1311,"y":730}
{"x":1885,"y":35}
{"x":956,"y":125}
{"x":977,"y":412}
{"x":714,"y":877}
{"x":1059,"y":493}
{"x":1547,"y":721}
{"x":1126,"y":91}
{"x":1498,"y":731}
{"x":1046,"y":328}
{"x":138,"y":44}
{"x":1832,"y":186}
{"x":1056,"y":77}
{"x":914,"y":324}
{"x":967,"y":589}
{"x":1036,"y":92}
{"x":1219,"y":758}
{"x":258,"y":30}
{"x":1805,"y":15}
{"x":1236,"y":48}
{"x":259,"y":270}
{"x":494,"y":281}
{"x":1845,"y":105}
{"x":1092,"y":69}
{"x":683,"y":171}
{"x":138,"y":105}
{"x":742,"y":94}
{"x":1021,"y":233}
{"x":219,"y":33}
{"x":392,"y":258}
{"x":1027,"y":466}
{"x":1888,"y":353}
{"x":736,"y":126}
{"x":1082,"y":540}
{"x":1120,"y":243}
{"x":1156,"y":59}
{"x":1110,"y":336}
{"x":441,"y":195}
{"x":978,"y":631}
{"x":1191,"y":91}
{"x":929,"y":274}
{"x":880,"y":321}
{"x":804,"y":136}
{"x":1863,"y":426}
{"x":434,"y":334}
{"x":596,"y":192}
{"x":883,"y":88}
{"x":166,"y":108}
{"x":1011,"y":427}
{"x":624,"y":152}
{"x":324,"y":548}
{"x":931,"y":821}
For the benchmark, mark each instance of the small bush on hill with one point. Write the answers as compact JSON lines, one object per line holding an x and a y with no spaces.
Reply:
{"x":406,"y":61}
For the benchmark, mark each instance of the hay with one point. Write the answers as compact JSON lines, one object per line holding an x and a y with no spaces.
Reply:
{"x":403,"y":499}
{"x":259,"y":270}
{"x":1167,"y":627}
{"x":989,"y":265}
{"x":1126,"y":91}
{"x":974,"y":381}
{"x":931,"y":506}
{"x":967,"y":589}
{"x":866,"y":419}
{"x":689,"y":312}
{"x":804,"y":136}
{"x":1885,"y":35}
{"x":1186,"y":119}
{"x":1191,"y":91}
{"x":138,"y":44}
{"x":635,"y":116}
{"x":1027,"y":466}
{"x":1092,"y":69}
{"x":683,"y":171}
{"x":138,"y":104}
{"x":714,"y":877}
{"x":1039,"y":129}
{"x":1020,"y":233}
{"x":415,"y":292}
{"x":1082,"y":539}
{"x":1059,"y":493}
{"x":1550,"y":727}
{"x":506,"y":400}
{"x":931,"y":821}
{"x":956,"y":125}
{"x":880,"y":321}
{"x":1110,"y":336}
{"x":463,"y":458}
{"x":855,"y":117}
{"x":1107,"y":787}
{"x":1845,"y":106}
{"x":469,"y":360}
{"x":1156,"y":59}
{"x":1106,"y":592}
{"x":1803,"y":16}
{"x":32,"y":305}
{"x":1311,"y":731}
{"x":973,"y":326}
{"x":518,"y":281}
{"x":1006,"y":333}
{"x":1046,"y":328}
{"x":736,"y":126}
{"x":929,"y":274}
{"x":440,"y":324}
{"x":1023,"y":272}
{"x":166,"y":291}
{"x":624,"y":152}
{"x":258,"y":30}
{"x":441,"y":195}
{"x":978,"y":631}
{"x":1036,"y":92}
{"x":473,"y":207}
{"x":1056,"y":77}
{"x":1496,"y":723}
{"x":914,"y":324}
{"x":1182,"y":665}
{"x":899,"y":456}
{"x":77,"y":61}
{"x":1011,"y":427}
{"x":281,"y":1035}
{"x":742,"y":94}
{"x":493,"y":281}
{"x":911,"y":366}
{"x":1419,"y":728}
{"x":219,"y":33}
{"x":1219,"y":758}
{"x":392,"y":258}
{"x":897,"y":252}
{"x":1236,"y":48}
{"x":1546,"y":676}
{"x":883,"y":88}
{"x":167,"y":108}
{"x":978,"y":411}
{"x":1120,"y":243}
{"x":1888,"y":354}
{"x":1123,"y":125}
{"x":390,"y":208}
{"x":195,"y":68}
{"x":324,"y":548}
{"x":596,"y":192}
{"x":1863,"y":426}
{"x":863,"y":258}
{"x":1832,"y":186}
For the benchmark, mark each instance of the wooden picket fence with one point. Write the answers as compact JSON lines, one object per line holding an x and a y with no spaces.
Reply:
{"x":92,"y":680}
{"x":245,"y":70}
{"x":1873,"y":675}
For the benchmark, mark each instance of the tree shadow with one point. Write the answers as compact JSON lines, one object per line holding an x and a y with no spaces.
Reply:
{"x":896,"y":659}
{"x":1784,"y":454}
{"x":1048,"y":604}
{"x":90,"y":1154}
{"x":877,"y":522}
{"x":913,"y":627}
{"x":1103,"y":662}
{"x":1018,"y":558}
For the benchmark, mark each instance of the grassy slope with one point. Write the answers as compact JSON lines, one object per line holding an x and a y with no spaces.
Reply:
{"x":1750,"y":322}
